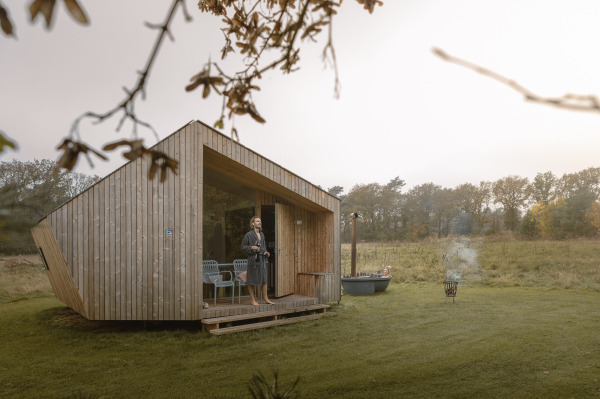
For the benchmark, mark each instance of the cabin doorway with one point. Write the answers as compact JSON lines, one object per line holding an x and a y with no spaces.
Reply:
{"x":285,"y":267}
{"x":278,"y":227}
{"x":267,"y":216}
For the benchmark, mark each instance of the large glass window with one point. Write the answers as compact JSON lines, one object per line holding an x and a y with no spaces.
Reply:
{"x":228,"y":207}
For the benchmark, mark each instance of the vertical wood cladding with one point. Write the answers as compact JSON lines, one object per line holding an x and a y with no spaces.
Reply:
{"x":130,"y":248}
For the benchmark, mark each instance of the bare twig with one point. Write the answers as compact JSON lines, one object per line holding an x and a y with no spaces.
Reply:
{"x":573,"y":102}
{"x":329,"y":48}
{"x":127,"y":105}
{"x":74,"y":146}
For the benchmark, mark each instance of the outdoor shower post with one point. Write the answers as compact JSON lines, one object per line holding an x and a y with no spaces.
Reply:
{"x":353,"y":250}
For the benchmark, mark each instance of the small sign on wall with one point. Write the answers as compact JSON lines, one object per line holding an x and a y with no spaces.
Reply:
{"x":168,"y":233}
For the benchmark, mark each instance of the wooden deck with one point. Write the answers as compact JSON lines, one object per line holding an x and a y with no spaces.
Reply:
{"x":226,"y":318}
{"x":225,"y":308}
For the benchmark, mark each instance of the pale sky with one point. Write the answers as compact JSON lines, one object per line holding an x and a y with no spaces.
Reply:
{"x":402,"y":111}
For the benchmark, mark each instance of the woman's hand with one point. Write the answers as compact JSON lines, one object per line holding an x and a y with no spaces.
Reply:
{"x":267,"y":254}
{"x":255,"y":248}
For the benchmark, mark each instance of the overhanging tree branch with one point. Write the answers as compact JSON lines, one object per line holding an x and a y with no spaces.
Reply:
{"x":277,"y":25}
{"x":572,"y":102}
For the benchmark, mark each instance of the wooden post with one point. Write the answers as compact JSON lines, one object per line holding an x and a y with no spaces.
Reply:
{"x":353,"y":250}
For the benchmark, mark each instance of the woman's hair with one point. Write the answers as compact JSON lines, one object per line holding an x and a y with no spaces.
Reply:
{"x":252,"y":221}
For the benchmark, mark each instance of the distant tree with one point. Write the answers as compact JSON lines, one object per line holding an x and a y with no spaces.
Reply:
{"x":543,"y":187}
{"x":473,"y":206}
{"x":593,"y":215}
{"x":420,"y":208}
{"x":571,"y":183}
{"x":513,"y":192}
{"x":445,"y":210}
{"x":572,"y":218}
{"x":530,"y":225}
{"x":391,"y":197}
{"x":364,"y":199}
{"x":28,"y":191}
{"x":268,"y":33}
{"x":336,"y":191}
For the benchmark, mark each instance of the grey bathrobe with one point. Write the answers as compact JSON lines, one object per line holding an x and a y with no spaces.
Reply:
{"x":257,"y":271}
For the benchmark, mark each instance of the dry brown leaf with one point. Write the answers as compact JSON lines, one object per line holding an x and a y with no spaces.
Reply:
{"x":45,"y":7}
{"x":5,"y":23}
{"x":71,"y":150}
{"x":76,"y":11}
{"x":153,"y":170}
{"x":112,"y":146}
{"x":370,"y":4}
{"x":67,"y":160}
{"x":4,"y":142}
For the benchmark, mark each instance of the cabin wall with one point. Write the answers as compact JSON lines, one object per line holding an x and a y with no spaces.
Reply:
{"x":56,"y":266}
{"x":111,"y":258}
{"x":118,"y":254}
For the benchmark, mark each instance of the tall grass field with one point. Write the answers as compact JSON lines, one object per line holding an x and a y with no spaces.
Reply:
{"x":525,"y":324}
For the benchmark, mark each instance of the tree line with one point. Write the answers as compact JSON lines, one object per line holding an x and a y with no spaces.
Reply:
{"x":547,"y":207}
{"x":28,"y":192}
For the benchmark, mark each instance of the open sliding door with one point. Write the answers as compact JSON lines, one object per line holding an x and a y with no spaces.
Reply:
{"x":285,"y":270}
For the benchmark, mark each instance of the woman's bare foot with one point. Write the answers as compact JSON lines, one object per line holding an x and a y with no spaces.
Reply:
{"x":269,"y":302}
{"x":254,"y":303}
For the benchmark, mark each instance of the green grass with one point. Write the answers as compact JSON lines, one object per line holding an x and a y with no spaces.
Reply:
{"x":22,"y":277}
{"x":501,"y":339}
{"x":410,"y":340}
{"x":500,"y":262}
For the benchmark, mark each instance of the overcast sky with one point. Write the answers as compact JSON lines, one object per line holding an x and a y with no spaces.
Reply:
{"x":402,"y":111}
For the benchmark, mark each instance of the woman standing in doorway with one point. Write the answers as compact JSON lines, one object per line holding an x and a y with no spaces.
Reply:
{"x":254,"y":245}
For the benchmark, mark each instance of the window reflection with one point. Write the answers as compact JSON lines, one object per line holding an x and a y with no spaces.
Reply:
{"x":228,"y":207}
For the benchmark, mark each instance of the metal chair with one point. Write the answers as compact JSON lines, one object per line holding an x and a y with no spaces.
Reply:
{"x":240,"y":266}
{"x":212,"y":275}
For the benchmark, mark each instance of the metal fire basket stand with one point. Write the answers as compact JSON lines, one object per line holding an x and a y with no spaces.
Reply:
{"x":451,"y":287}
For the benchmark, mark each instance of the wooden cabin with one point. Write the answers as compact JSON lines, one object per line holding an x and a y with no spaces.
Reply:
{"x":130,"y":248}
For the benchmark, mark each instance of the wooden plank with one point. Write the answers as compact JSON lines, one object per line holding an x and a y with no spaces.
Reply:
{"x":147,"y":239}
{"x":198,"y":232}
{"x":84,"y":253}
{"x":95,"y":239}
{"x":180,"y":222}
{"x":270,"y":323}
{"x":119,"y":244}
{"x":169,"y":210}
{"x":177,"y":233}
{"x":269,"y":313}
{"x":142,"y":242}
{"x":78,"y":244}
{"x":189,"y":222}
{"x":64,"y":211}
{"x":129,"y":239}
{"x":70,"y":235}
{"x":161,"y":244}
{"x":58,"y":274}
{"x":112,"y":243}
{"x":155,"y":235}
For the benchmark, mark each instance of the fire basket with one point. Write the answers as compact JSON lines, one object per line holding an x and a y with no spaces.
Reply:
{"x":450,"y":286}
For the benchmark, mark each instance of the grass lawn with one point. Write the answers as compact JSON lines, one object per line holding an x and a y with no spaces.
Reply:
{"x":526,"y":324}
{"x":409,"y":341}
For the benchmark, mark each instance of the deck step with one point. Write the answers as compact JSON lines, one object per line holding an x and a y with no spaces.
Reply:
{"x":268,"y":313}
{"x":266,"y":324}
